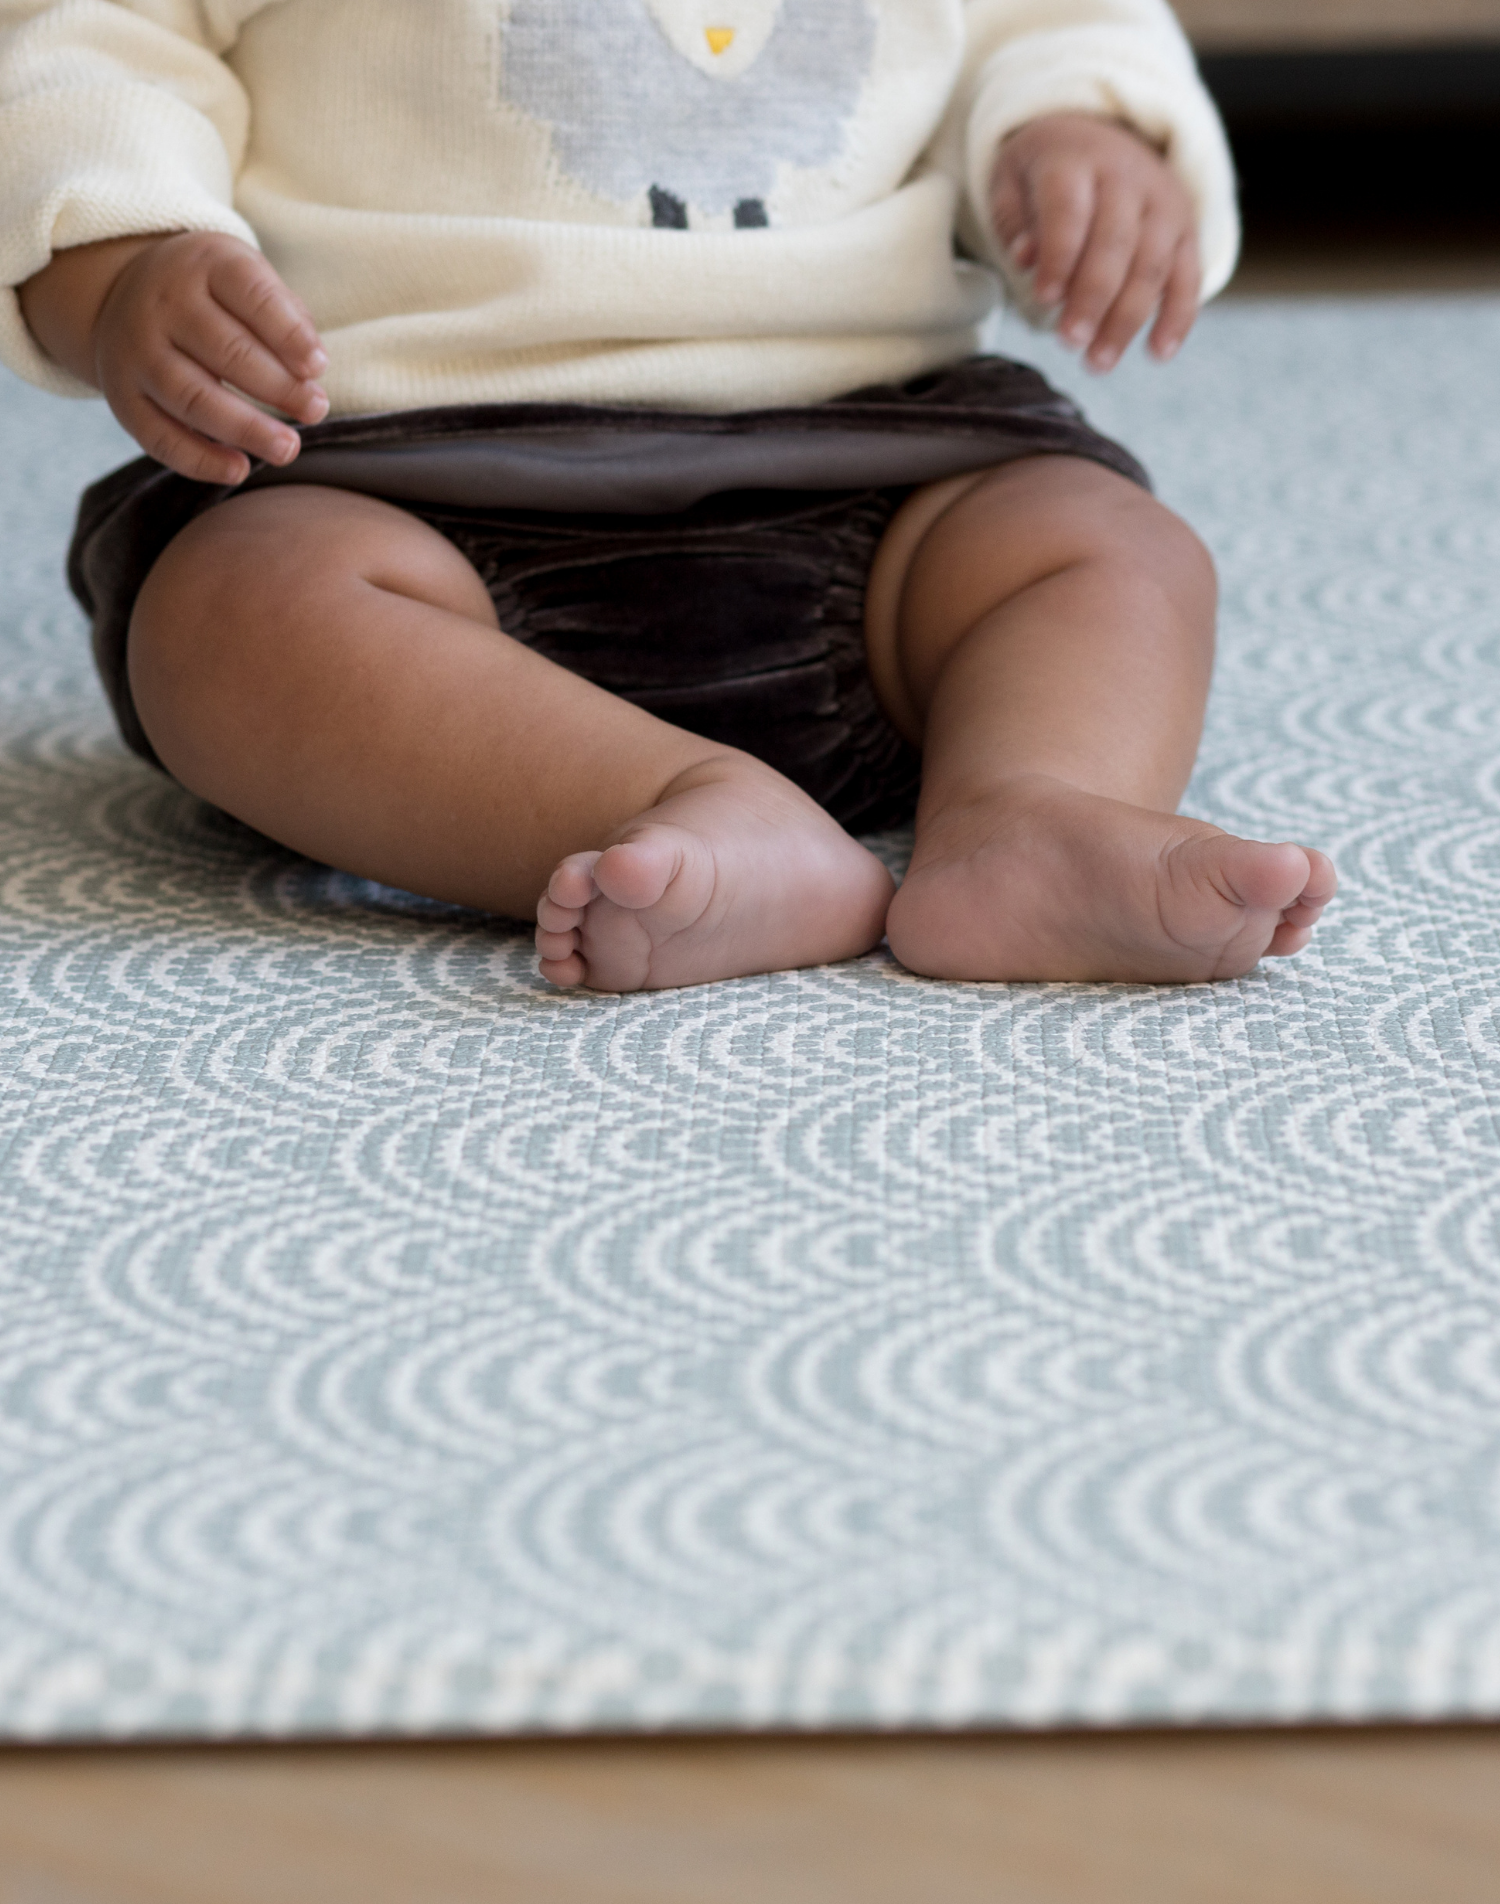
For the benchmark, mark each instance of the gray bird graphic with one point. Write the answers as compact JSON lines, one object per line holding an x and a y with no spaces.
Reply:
{"x":693,"y":104}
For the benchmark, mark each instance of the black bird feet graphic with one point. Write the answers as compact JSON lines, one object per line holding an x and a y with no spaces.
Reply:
{"x":668,"y":213}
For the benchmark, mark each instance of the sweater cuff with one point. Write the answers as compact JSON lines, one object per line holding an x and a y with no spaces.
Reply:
{"x":1055,"y":73}
{"x":76,"y":177}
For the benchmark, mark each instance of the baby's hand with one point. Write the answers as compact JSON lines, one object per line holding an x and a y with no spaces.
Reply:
{"x":1108,"y":229}
{"x":185,"y":317}
{"x":162,"y":325}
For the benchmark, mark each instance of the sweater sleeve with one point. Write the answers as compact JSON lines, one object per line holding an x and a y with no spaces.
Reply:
{"x":117,"y":117}
{"x":1121,"y":59}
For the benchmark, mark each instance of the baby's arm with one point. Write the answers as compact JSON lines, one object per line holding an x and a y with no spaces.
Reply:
{"x":124,"y":265}
{"x":161,"y":325}
{"x":1107,"y":228}
{"x":1097,"y":174}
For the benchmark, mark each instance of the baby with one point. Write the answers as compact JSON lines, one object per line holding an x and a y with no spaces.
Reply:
{"x":574,"y":476}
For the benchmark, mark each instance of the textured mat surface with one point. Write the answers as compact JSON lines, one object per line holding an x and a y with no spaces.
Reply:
{"x":388,"y":1342}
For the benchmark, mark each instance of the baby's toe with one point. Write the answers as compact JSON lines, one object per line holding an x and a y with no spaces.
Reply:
{"x":1264,"y":878}
{"x":1287,"y":940}
{"x":636,"y":873}
{"x":1322,"y":883}
{"x":572,"y":886}
{"x":554,"y":946}
{"x":551,"y":917}
{"x":566,"y":973}
{"x":1303,"y":913}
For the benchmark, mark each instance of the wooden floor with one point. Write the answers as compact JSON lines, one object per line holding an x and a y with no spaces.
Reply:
{"x":1366,"y":1818}
{"x":1224,"y":25}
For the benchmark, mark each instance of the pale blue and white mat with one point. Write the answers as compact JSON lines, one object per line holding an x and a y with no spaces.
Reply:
{"x":387,"y":1342}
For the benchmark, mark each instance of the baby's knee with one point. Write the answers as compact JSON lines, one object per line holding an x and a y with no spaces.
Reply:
{"x":260,"y":596}
{"x":1026,"y":522}
{"x":189,"y":615}
{"x":1109,"y":522}
{"x":1110,"y":519}
{"x":1178,"y":555}
{"x":205,"y":650}
{"x":1162,"y":556}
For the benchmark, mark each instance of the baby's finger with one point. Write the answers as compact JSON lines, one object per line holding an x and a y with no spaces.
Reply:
{"x":220,"y":343}
{"x":1008,"y":205}
{"x":1104,"y":267}
{"x":181,"y":449}
{"x":1062,"y":212}
{"x":192,"y":397}
{"x":1179,"y":305}
{"x":250,"y":290}
{"x":1141,"y":293}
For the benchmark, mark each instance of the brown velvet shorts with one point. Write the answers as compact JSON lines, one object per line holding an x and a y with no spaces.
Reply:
{"x":709,"y":568}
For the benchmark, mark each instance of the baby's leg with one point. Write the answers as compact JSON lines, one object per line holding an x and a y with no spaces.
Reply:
{"x":329,"y":669}
{"x":1045,"y":632}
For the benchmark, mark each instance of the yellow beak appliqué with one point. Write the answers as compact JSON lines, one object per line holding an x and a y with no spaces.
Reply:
{"x":720,"y":38}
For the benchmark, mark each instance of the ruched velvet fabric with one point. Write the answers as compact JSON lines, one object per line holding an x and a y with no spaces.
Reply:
{"x":709,"y":568}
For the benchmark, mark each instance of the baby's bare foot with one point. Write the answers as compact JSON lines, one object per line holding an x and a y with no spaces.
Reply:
{"x":1041,"y":881}
{"x":734,"y":871}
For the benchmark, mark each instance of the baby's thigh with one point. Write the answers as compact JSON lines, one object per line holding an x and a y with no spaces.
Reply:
{"x":262,"y":573}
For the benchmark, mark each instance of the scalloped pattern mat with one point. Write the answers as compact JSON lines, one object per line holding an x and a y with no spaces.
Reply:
{"x":390,"y":1344}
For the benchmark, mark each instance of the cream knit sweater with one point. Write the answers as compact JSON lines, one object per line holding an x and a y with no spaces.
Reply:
{"x":709,"y":204}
